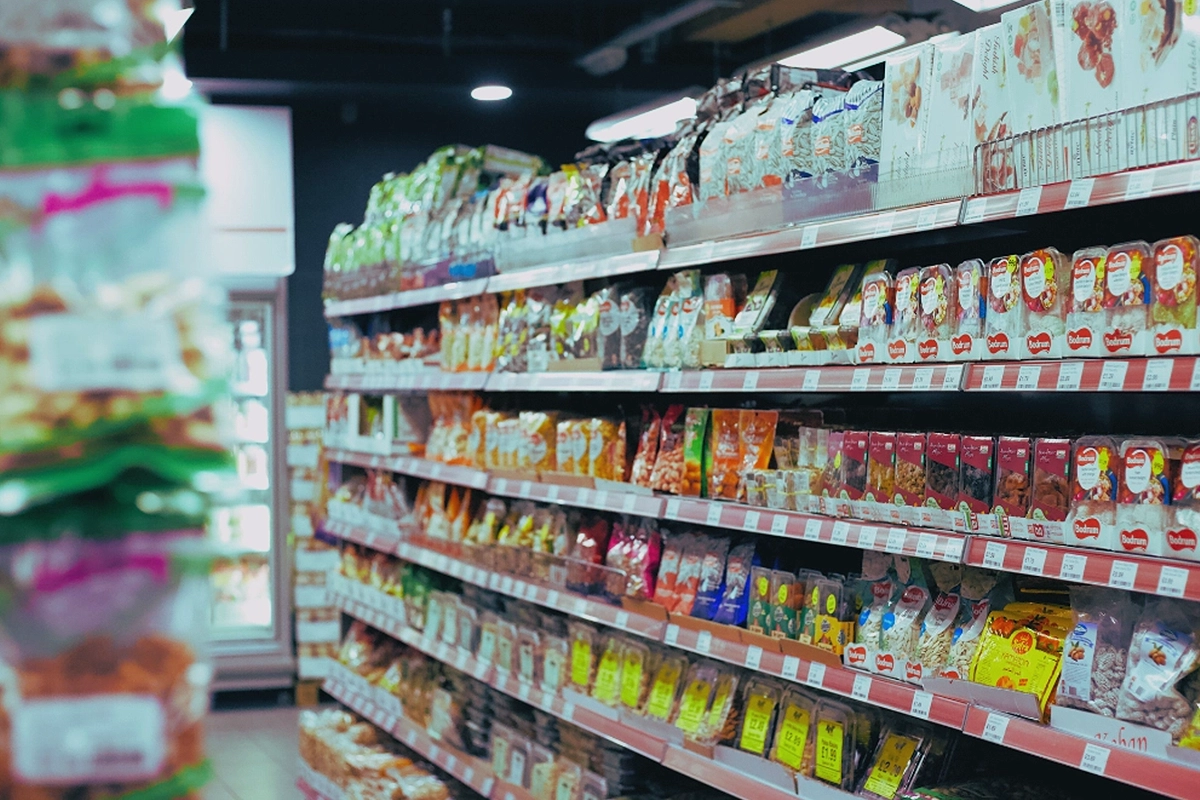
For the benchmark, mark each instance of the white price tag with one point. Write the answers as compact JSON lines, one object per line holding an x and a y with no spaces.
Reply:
{"x":1195,"y":384}
{"x":993,"y":378}
{"x":552,"y":598}
{"x":506,"y":585}
{"x":862,"y":688}
{"x":779,"y":525}
{"x":69,"y":352}
{"x":791,"y":666}
{"x":1194,"y":184}
{"x":1028,"y":201}
{"x":952,"y":380}
{"x":812,"y":380}
{"x":629,"y":503}
{"x":410,"y":738}
{"x":1033,"y":562}
{"x":1095,"y":759}
{"x":672,"y":637}
{"x":706,"y":380}
{"x":858,"y":382}
{"x":921,"y":703}
{"x":922,"y":379}
{"x":1028,"y":376}
{"x":580,"y":606}
{"x":993,"y":555}
{"x":673,"y":509}
{"x":926,"y":545}
{"x":1112,"y":377}
{"x":812,"y":530}
{"x":451,"y":762}
{"x":841,"y":532}
{"x":753,"y":656}
{"x":891,"y":379}
{"x":1080,"y":192}
{"x":704,"y":641}
{"x":622,"y":620}
{"x":750,"y":523}
{"x":816,"y":675}
{"x":995,"y":728}
{"x":808,"y":237}
{"x":895,"y":541}
{"x":673,"y":382}
{"x":714,"y":514}
{"x":867,"y":536}
{"x":568,"y":711}
{"x":468,"y":775}
{"x":524,"y":489}
{"x":1069,"y":375}
{"x":1123,"y":574}
{"x":750,"y":381}
{"x":1139,"y":184}
{"x":1158,"y":375}
{"x":1172,"y":581}
{"x":975,"y":210}
{"x":884,"y":224}
{"x":1072,"y":567}
{"x":523,"y":691}
{"x":927,"y":218}
{"x":552,"y":493}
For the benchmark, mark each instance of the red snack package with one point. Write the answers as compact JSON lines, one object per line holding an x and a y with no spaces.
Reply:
{"x":647,"y":451}
{"x":942,"y":470}
{"x":910,"y":469}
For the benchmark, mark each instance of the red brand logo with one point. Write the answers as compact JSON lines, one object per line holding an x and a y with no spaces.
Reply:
{"x":912,"y":595}
{"x":961,"y":344}
{"x":1038,"y":343}
{"x":945,"y":602}
{"x":885,"y":663}
{"x":913,"y":670}
{"x":1168,"y":341}
{"x":897,"y":349}
{"x":997,"y":343}
{"x":1077,"y":340}
{"x":928,"y":348}
{"x":1115,"y":341}
{"x":1022,"y":642}
{"x":1037,"y":530}
{"x":1086,"y":528}
{"x":1135,"y":540}
{"x":1136,"y":459}
{"x":856,"y":654}
{"x":866,"y":352}
{"x":1182,"y":540}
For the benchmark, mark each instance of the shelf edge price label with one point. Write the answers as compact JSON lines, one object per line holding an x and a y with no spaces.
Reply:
{"x":808,"y":237}
{"x":841,"y":532}
{"x":629,"y":503}
{"x":1095,"y":759}
{"x":993,"y":378}
{"x":791,"y":667}
{"x":706,"y":380}
{"x":895,"y":541}
{"x":927,"y":218}
{"x":704,"y":641}
{"x":922,"y":379}
{"x":975,"y":210}
{"x":885,"y":223}
{"x":673,"y":382}
{"x":1112,"y":377}
{"x":779,"y":525}
{"x":1072,"y":568}
{"x":672,"y":637}
{"x":622,"y":620}
{"x":993,"y":555}
{"x":552,"y":493}
{"x":501,"y":486}
{"x":812,"y":380}
{"x":858,"y":382}
{"x":891,"y":379}
{"x":1123,"y":574}
{"x":867,"y":536}
{"x":1028,"y":376}
{"x":922,"y":702}
{"x":1172,"y":582}
{"x":995,"y":727}
{"x":816,"y":675}
{"x":952,"y":378}
{"x":714,"y":514}
{"x":862,"y":688}
{"x":672,"y":509}
{"x":750,"y":523}
{"x":753,"y":656}
{"x":812,"y":530}
{"x":1028,"y":201}
{"x":1033,"y":561}
{"x":1158,"y":375}
{"x":1080,"y":193}
{"x":1139,"y":184}
{"x":750,"y":381}
{"x":926,"y":544}
{"x":1070,"y":373}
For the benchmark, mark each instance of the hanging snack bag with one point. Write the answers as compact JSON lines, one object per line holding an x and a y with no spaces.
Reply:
{"x":976,"y":482}
{"x":757,"y":442}
{"x":906,"y":320}
{"x":1050,"y":492}
{"x":695,"y":437}
{"x":1086,"y":317}
{"x":853,"y":484}
{"x":829,"y":133}
{"x":939,"y":309}
{"x":864,"y":127}
{"x":834,"y":744}
{"x":760,"y":703}
{"x":910,"y":474}
{"x":654,"y":353}
{"x":1173,"y":312}
{"x":901,"y":633}
{"x":724,"y":454}
{"x":1183,"y":517}
{"x":1093,"y":516}
{"x":760,"y":302}
{"x":1147,"y":468}
{"x":635,"y":314}
{"x":1005,"y":320}
{"x":971,"y":280}
{"x":668,"y":472}
{"x":937,"y":637}
{"x":665,"y":688}
{"x":1163,"y":651}
{"x":833,"y":617}
{"x":1021,"y":648}
{"x":877,"y":505}
{"x":712,"y":573}
{"x":608,"y":338}
{"x":1097,"y":650}
{"x":687,"y":584}
{"x":875,"y":317}
{"x":685,"y":316}
{"x":1045,"y":282}
{"x":794,"y":733}
{"x":647,"y":452}
{"x":1127,"y":299}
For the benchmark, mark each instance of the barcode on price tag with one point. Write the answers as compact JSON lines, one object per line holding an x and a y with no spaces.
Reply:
{"x":927,"y":218}
{"x":993,"y":377}
{"x":750,"y":523}
{"x":1080,"y":192}
{"x":862,"y":688}
{"x":1028,"y":201}
{"x":1123,"y":574}
{"x":1033,"y":562}
{"x":926,"y":544}
{"x":714,"y":514}
{"x":993,"y":555}
{"x":867,"y":536}
{"x":812,"y":530}
{"x":672,"y":509}
{"x":816,"y":675}
{"x":1095,"y":759}
{"x":706,"y":381}
{"x":922,"y":379}
{"x":921,"y":703}
{"x":1112,"y":377}
{"x":891,"y":379}
{"x":672,"y":637}
{"x":975,"y":211}
{"x":952,"y":378}
{"x":779,"y":524}
{"x":808,"y":237}
{"x":995,"y":728}
{"x":704,"y":641}
{"x":858,"y":382}
{"x":841,"y":532}
{"x":1139,"y":185}
{"x":812,"y":380}
{"x":1069,"y":375}
{"x":895,"y":541}
{"x":1028,"y":376}
{"x":791,"y":666}
{"x":1172,"y":581}
{"x":1072,"y":567}
{"x":1158,"y":375}
{"x":753,"y":656}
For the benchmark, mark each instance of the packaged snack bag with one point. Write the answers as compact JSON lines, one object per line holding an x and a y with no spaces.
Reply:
{"x":970,"y":283}
{"x":881,"y":477}
{"x":1093,"y":516}
{"x":1045,"y":281}
{"x":1005,"y":321}
{"x":668,"y":472}
{"x":1086,"y":317}
{"x":1021,"y":649}
{"x":665,"y":688}
{"x":697,"y":696}
{"x":787,"y":595}
{"x":939,"y":310}
{"x":695,"y":438}
{"x":607,"y":686}
{"x":647,"y":451}
{"x":724,"y":454}
{"x":635,"y":315}
{"x":654,"y":353}
{"x":760,"y":704}
{"x":853,"y":483}
{"x":638,"y":665}
{"x":1147,"y":469}
{"x":1173,"y":310}
{"x":794,"y":732}
{"x":901,"y":632}
{"x":583,"y":642}
{"x":864,"y":124}
{"x":899,"y":756}
{"x":1163,"y":651}
{"x":942,"y":472}
{"x":1127,"y":299}
{"x":735,"y":592}
{"x":1184,"y":514}
{"x":906,"y":320}
{"x":712,"y":571}
{"x":875,"y":320}
{"x":976,"y":483}
{"x":1012,"y":494}
{"x":687,"y":582}
{"x":910,"y":474}
{"x":834,"y":744}
{"x":1049,"y":500}
{"x":1097,"y":649}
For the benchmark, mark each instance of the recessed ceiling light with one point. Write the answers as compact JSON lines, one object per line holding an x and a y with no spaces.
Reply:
{"x":490,"y":93}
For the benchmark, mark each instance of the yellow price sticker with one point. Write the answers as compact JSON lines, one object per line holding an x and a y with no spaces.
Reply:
{"x":888,"y":770}
{"x":608,"y":675}
{"x":793,"y":737}
{"x":662,"y":693}
{"x":631,"y":680}
{"x":693,"y":705}
{"x":581,"y":663}
{"x":716,"y":714}
{"x":830,"y":741}
{"x":756,"y":723}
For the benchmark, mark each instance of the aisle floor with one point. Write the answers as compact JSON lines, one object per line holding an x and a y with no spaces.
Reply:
{"x":254,"y":753}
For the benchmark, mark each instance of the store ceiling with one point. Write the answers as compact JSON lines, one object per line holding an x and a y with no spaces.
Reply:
{"x":405,"y":48}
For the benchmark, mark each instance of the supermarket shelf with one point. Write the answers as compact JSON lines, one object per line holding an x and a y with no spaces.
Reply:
{"x":1098,"y":567}
{"x":359,"y":534}
{"x":1118,"y":187}
{"x":417,"y":381}
{"x":740,"y":784}
{"x":576,"y":270}
{"x":858,"y":228}
{"x":415,"y":467}
{"x":1177,"y":374}
{"x":908,"y":378}
{"x":1127,"y":766}
{"x":315,"y":786}
{"x":406,"y":299}
{"x":467,"y":769}
{"x":643,"y":505}
{"x":938,"y":545}
{"x":614,"y":381}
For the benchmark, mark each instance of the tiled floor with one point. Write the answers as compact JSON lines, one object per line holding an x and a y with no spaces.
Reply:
{"x":254,"y":752}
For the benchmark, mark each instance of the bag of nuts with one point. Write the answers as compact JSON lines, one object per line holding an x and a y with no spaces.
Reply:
{"x":1163,"y":652}
{"x":1097,"y":650}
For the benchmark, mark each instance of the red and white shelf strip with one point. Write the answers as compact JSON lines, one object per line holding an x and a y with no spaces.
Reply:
{"x":614,"y":381}
{"x":575,"y":270}
{"x":878,"y":378}
{"x":406,"y":299}
{"x":1175,"y":374}
{"x":415,"y":467}
{"x":400,"y":381}
{"x":315,"y":786}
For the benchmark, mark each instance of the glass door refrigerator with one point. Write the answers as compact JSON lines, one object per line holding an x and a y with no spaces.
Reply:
{"x":251,"y":618}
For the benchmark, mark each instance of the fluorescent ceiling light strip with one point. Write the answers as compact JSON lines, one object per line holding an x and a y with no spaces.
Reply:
{"x":984,"y":5}
{"x":847,"y":50}
{"x":642,"y":122}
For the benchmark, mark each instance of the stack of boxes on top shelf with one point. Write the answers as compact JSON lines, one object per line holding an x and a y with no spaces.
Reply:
{"x":318,"y":622}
